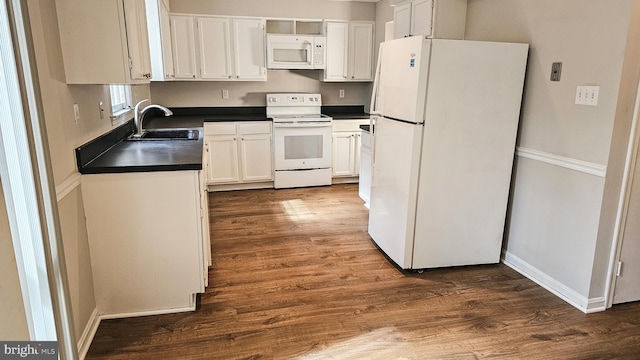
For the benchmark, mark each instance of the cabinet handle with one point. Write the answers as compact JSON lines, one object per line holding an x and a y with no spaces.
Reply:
{"x":229,"y":76}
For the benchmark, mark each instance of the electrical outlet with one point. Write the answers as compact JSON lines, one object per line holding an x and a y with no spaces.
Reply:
{"x":225,"y":94}
{"x":556,"y":71}
{"x":76,"y":113}
{"x":341,"y":93}
{"x":101,"y":109}
{"x":587,"y":95}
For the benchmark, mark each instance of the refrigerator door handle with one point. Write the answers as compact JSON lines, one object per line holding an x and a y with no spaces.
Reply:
{"x":376,"y":83}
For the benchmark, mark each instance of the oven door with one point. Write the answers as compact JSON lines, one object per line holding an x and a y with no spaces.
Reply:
{"x":302,"y":145}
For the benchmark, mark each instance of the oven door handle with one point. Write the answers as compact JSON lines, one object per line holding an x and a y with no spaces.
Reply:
{"x":318,"y":124}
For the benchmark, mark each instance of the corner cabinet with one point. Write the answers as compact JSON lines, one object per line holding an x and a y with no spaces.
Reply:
{"x":442,"y":19}
{"x":104,"y":42}
{"x":218,"y":48}
{"x":239,"y":153}
{"x":349,"y":51}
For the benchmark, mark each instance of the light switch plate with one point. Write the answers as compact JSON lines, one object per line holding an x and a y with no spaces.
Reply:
{"x":587,"y":95}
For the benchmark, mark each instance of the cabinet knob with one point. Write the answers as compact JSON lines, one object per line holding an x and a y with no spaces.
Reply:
{"x":229,"y":76}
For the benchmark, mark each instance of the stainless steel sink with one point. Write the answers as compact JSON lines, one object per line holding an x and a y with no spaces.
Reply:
{"x":167,"y":134}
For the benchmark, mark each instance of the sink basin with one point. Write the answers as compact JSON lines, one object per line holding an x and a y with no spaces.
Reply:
{"x":167,"y":134}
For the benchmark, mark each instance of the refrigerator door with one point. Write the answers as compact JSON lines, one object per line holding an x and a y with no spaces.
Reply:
{"x":394,"y":188}
{"x":473,"y":108}
{"x":400,"y":84}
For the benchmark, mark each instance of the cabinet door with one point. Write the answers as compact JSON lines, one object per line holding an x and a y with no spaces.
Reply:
{"x":337,"y":51}
{"x":249,"y":49}
{"x":137,"y":40}
{"x":223,"y":159}
{"x":214,"y":48}
{"x":343,"y":154}
{"x":184,"y":47}
{"x":357,"y":145}
{"x":402,"y":20}
{"x":165,"y":36}
{"x":360,"y":51}
{"x":421,"y":17}
{"x":256,"y":157}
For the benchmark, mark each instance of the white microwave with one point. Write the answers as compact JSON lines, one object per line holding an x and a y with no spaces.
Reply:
{"x":296,"y":51}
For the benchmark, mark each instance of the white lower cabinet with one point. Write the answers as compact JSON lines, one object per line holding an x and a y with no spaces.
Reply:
{"x":345,"y":154}
{"x":346,"y":148}
{"x":364,"y":187}
{"x":147,"y":241}
{"x":238,"y":152}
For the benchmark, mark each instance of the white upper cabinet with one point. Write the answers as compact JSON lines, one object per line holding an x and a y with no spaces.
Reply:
{"x":214,"y":48}
{"x":218,"y":48}
{"x":104,"y":42}
{"x":360,"y":51}
{"x":442,"y":19}
{"x":337,"y":51}
{"x":402,"y":20}
{"x":159,"y":26}
{"x":249,"y":49}
{"x":184,"y":47}
{"x":349,"y":51}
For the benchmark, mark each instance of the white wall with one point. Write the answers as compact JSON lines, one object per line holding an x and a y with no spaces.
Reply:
{"x":184,"y":94}
{"x":209,"y":93}
{"x":555,"y":210}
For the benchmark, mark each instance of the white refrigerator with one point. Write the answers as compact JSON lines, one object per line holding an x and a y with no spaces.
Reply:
{"x":446,"y":117}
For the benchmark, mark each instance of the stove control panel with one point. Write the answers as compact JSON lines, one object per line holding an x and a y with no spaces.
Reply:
{"x":294,"y":99}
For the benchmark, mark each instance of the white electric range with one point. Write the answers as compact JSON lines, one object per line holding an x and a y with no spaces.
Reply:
{"x":302,"y":140}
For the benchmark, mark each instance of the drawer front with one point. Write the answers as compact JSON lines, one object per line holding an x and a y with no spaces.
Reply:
{"x":254,"y":127}
{"x":349,"y":125}
{"x":220,"y":128}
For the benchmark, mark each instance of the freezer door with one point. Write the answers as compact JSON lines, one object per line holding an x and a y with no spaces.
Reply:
{"x":395,"y":171}
{"x":401,"y":82}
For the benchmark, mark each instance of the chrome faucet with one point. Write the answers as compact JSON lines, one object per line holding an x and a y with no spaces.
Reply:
{"x":139,"y":114}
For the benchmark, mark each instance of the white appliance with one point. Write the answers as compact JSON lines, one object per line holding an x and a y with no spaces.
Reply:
{"x":296,"y":51}
{"x":301,"y":140}
{"x":446,"y":120}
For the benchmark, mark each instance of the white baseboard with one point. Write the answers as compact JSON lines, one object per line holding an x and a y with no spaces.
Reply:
{"x":147,"y":313}
{"x":87,"y":335}
{"x":554,"y":286}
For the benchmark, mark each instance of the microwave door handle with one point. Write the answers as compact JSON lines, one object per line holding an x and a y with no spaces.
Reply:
{"x":309,"y":51}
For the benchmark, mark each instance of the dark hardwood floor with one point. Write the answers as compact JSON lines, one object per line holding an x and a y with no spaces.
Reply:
{"x":296,"y":276}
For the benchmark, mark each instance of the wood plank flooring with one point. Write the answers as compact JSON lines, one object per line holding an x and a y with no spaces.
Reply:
{"x":296,"y":276}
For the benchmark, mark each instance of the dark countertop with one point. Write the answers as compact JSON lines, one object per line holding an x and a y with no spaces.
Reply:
{"x":110,"y":153}
{"x":345,"y":112}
